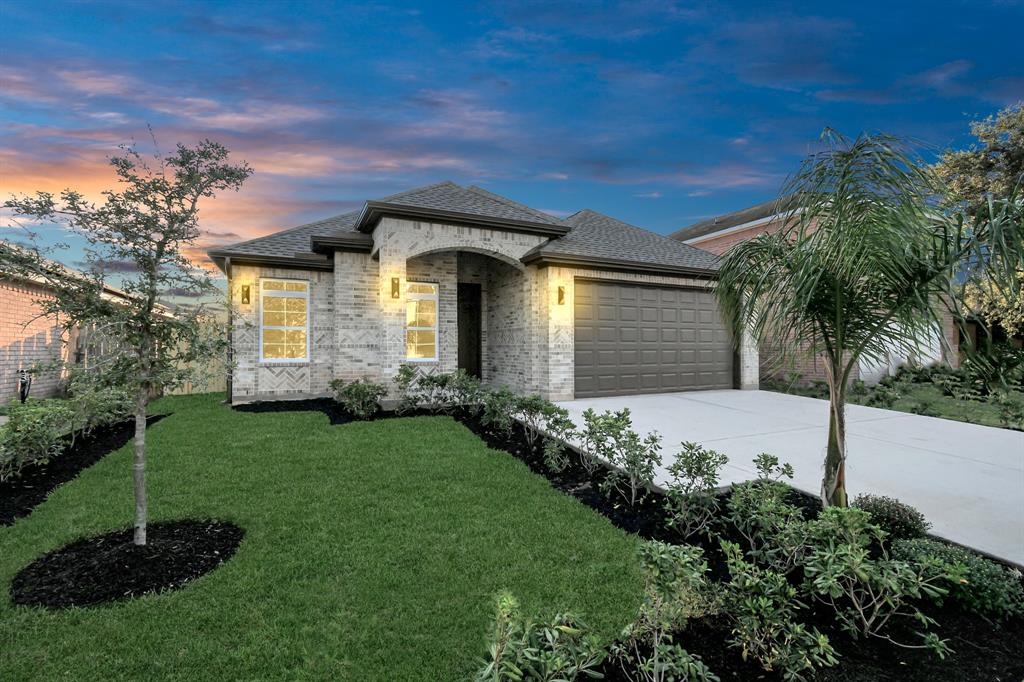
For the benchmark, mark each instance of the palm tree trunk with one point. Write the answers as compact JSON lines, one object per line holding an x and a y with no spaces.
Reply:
{"x":833,"y":485}
{"x":139,"y":466}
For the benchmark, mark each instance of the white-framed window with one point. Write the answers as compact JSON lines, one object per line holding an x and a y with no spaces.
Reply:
{"x":421,"y":321}
{"x":284,"y":320}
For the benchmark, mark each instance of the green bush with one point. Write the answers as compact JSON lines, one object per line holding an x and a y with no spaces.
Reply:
{"x":498,"y":409}
{"x":408,"y":391}
{"x":763,"y":606}
{"x":633,"y":459}
{"x":360,"y":398}
{"x":899,"y":521}
{"x":883,"y":395}
{"x":535,"y":413}
{"x":97,"y":403}
{"x":33,"y":434}
{"x":984,"y":587}
{"x":560,"y":431}
{"x":519,"y":649}
{"x":690,"y":500}
{"x":869,"y":593}
{"x":1011,"y":409}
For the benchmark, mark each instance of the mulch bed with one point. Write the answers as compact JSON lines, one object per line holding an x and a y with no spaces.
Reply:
{"x":108,"y":568}
{"x":983,"y":651}
{"x":20,"y":495}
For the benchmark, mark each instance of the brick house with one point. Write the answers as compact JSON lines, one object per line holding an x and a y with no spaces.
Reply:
{"x":721,"y":233}
{"x":449,"y":277}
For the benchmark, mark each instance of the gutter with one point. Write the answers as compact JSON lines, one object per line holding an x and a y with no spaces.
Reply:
{"x":573,"y":261}
{"x":373,"y":211}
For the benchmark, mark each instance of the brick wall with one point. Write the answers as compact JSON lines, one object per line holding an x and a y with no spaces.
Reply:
{"x":26,"y":339}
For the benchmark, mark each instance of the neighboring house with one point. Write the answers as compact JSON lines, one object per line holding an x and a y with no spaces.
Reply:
{"x":450,"y":277}
{"x":721,"y":233}
{"x":29,"y":339}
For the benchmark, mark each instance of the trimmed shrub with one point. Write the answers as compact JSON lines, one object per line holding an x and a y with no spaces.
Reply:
{"x":985,"y":586}
{"x":499,"y":406}
{"x":360,"y":398}
{"x":408,"y":392}
{"x":899,"y":521}
{"x":33,"y":434}
{"x":96,"y":403}
{"x":883,"y":395}
{"x":634,"y":459}
{"x":690,"y":500}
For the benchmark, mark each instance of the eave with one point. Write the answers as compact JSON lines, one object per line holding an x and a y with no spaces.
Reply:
{"x":373,"y":211}
{"x":298,"y":262}
{"x":618,"y":265}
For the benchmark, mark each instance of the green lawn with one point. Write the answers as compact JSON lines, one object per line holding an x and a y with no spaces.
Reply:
{"x":372,"y":552}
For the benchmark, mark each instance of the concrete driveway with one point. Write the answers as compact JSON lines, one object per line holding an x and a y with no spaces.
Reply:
{"x":968,"y":480}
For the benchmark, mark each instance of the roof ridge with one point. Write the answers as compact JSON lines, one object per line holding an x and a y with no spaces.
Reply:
{"x":511,"y":202}
{"x":416,"y":190}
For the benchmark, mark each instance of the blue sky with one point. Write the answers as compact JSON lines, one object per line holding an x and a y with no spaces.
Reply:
{"x":658,"y":113}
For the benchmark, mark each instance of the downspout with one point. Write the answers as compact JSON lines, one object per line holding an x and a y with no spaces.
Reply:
{"x":231,"y":331}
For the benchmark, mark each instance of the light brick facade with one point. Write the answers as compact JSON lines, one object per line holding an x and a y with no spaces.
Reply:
{"x":358,"y":328}
{"x":26,"y":339}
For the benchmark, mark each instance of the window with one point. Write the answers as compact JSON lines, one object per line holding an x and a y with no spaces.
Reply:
{"x":420,"y":322}
{"x":284,"y":320}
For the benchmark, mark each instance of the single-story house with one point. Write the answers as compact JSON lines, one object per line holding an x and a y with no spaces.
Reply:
{"x":720,"y":233}
{"x":449,"y":277}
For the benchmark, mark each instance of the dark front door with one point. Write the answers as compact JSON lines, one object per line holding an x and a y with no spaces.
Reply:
{"x":469,"y":328}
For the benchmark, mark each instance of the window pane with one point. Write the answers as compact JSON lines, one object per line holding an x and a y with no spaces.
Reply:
{"x":272,"y":319}
{"x":274,"y":285}
{"x":273,"y":336}
{"x":296,"y":286}
{"x":420,"y":344}
{"x":296,"y":352}
{"x":421,"y":288}
{"x":296,"y":337}
{"x":295,"y":305}
{"x":273,"y":351}
{"x":421,"y":313}
{"x":275,"y":303}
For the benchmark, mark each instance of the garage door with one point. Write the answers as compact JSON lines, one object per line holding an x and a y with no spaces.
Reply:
{"x":640,"y":339}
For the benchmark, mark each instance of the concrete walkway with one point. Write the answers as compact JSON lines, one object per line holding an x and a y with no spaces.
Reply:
{"x":968,"y":480}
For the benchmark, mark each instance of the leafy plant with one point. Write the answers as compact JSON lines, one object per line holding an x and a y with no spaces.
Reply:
{"x":560,"y":431}
{"x":690,"y":500}
{"x":1011,"y":409}
{"x":925,"y":408}
{"x":985,"y":586}
{"x":535,"y":412}
{"x":633,"y":459}
{"x":676,"y":589}
{"x":498,"y":410}
{"x":869,"y":593}
{"x":360,"y":398}
{"x":96,"y":402}
{"x":883,"y":396}
{"x":900,"y":521}
{"x":408,"y":392}
{"x":763,"y":607}
{"x":560,"y":650}
{"x":33,"y":434}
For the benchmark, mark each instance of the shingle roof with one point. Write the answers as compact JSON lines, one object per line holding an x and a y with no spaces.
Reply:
{"x":599,"y":237}
{"x":727,"y":220}
{"x":287,"y":243}
{"x":447,"y":196}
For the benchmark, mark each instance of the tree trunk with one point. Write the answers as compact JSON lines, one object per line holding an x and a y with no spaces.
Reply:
{"x":139,"y":466}
{"x":833,"y":485}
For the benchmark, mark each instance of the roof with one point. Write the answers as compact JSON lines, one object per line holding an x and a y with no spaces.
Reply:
{"x":728,"y":220}
{"x":586,"y":237}
{"x":595,"y":238}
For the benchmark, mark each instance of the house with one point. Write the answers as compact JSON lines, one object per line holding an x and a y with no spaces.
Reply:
{"x":449,"y":277}
{"x":721,"y":233}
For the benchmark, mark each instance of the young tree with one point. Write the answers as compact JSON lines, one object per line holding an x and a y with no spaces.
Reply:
{"x":148,"y":223}
{"x":865,"y":266}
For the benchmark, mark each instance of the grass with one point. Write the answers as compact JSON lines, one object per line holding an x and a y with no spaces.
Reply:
{"x":372,"y":552}
{"x":912,"y":396}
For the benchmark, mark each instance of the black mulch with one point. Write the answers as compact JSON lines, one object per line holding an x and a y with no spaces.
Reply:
{"x":108,"y":568}
{"x":334,"y":411}
{"x":19,"y":496}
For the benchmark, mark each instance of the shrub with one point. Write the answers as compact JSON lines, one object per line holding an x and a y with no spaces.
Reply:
{"x":498,"y":408}
{"x":560,"y":430}
{"x":883,"y":395}
{"x":408,"y":392}
{"x":458,"y":390}
{"x":95,"y":402}
{"x":591,"y":437}
{"x":360,"y":398}
{"x":925,"y":408}
{"x":676,"y":589}
{"x":634,"y":459}
{"x":1011,"y":410}
{"x":536,"y":413}
{"x":690,"y":500}
{"x":869,"y":594}
{"x":762,"y":606}
{"x":986,"y":587}
{"x":899,"y":521}
{"x":519,"y":649}
{"x":775,"y":530}
{"x":33,"y":434}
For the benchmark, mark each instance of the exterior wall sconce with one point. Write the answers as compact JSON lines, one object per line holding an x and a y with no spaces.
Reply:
{"x":245,"y":294}
{"x":561,"y":295}
{"x":395,"y":293}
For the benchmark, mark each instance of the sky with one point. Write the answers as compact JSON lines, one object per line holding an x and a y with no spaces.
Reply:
{"x":655,"y":112}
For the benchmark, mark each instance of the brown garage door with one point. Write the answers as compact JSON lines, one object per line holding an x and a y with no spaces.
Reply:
{"x":642,"y":339}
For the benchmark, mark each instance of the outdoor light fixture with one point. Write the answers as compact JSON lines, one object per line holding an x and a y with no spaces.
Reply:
{"x":394,"y":287}
{"x":245,"y":294}
{"x":561,"y":295}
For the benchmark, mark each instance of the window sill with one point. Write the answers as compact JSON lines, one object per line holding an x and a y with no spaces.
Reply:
{"x":422,"y":361}
{"x":284,"y":362}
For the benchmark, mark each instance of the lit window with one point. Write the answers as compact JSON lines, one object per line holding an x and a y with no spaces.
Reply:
{"x":421,"y":321}
{"x":284,"y":320}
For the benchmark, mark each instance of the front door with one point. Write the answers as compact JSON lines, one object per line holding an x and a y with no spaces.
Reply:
{"x":469,"y":328}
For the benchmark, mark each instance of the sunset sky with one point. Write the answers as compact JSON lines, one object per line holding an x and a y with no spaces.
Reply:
{"x":658,"y":113}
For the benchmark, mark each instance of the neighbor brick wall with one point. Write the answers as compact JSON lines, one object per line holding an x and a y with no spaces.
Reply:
{"x":719,"y":244}
{"x":26,"y":339}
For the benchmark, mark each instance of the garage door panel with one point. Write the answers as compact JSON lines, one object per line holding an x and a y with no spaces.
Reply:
{"x":644,"y":339}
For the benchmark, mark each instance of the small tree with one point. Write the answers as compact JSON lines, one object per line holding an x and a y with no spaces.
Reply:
{"x":149,"y":224}
{"x":864,"y":266}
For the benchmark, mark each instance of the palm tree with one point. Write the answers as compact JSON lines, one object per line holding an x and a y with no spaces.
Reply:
{"x":864,"y":266}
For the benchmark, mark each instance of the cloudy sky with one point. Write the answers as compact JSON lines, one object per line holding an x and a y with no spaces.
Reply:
{"x":656,"y":112}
